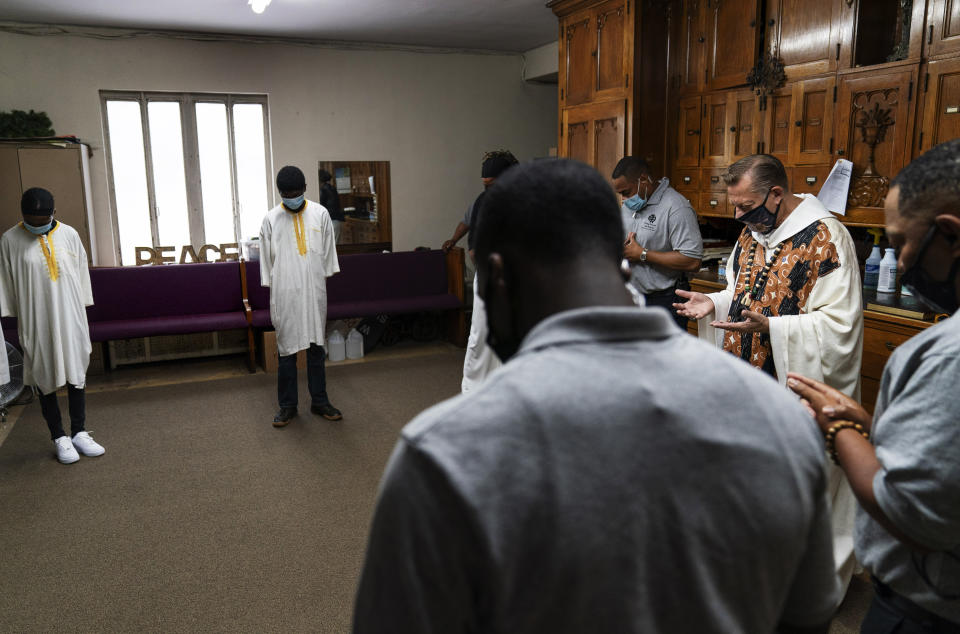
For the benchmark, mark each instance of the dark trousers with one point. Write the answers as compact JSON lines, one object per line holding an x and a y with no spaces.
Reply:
{"x":76,"y":398}
{"x":316,"y":378}
{"x":666,"y":299}
{"x":891,"y":613}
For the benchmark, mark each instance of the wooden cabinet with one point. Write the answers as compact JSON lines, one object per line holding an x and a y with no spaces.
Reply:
{"x":688,"y":131}
{"x":732,"y":41}
{"x":596,"y":53}
{"x":595,"y":134}
{"x":742,"y":124}
{"x":806,"y":35}
{"x":777,"y":124}
{"x":864,"y":96}
{"x":943,"y":27}
{"x":811,"y":136}
{"x":63,"y":171}
{"x":941,"y":104}
{"x":692,"y":53}
{"x":714,"y":130}
{"x":611,"y":102}
{"x":882,"y":334}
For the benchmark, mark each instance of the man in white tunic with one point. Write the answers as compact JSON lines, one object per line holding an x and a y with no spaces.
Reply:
{"x":792,"y":303}
{"x":297,"y":255}
{"x":45,"y":284}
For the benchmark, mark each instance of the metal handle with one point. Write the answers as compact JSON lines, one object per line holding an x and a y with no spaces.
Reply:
{"x":714,"y":179}
{"x":930,"y":36}
{"x":714,"y":203}
{"x":811,"y":180}
{"x":890,"y":345}
{"x":687,"y":179}
{"x":692,"y":132}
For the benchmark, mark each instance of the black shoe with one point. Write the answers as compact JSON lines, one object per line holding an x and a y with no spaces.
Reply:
{"x":284,"y":415}
{"x":327,"y":410}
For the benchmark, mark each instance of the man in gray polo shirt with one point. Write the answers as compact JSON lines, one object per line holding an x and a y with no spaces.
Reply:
{"x":907,"y":480}
{"x":568,"y":493}
{"x":662,"y":234}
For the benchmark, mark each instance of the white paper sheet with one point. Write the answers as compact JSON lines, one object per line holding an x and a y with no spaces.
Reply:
{"x":833,"y":194}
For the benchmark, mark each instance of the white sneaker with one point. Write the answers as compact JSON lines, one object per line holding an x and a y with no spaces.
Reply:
{"x":65,"y":451}
{"x":86,"y":445}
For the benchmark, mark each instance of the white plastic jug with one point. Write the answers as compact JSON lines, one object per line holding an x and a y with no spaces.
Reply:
{"x":336,"y":346}
{"x":354,"y":344}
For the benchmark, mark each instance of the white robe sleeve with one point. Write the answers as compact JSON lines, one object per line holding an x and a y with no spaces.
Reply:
{"x":825,"y":342}
{"x":331,"y":264}
{"x":83,"y":271}
{"x":721,"y":306}
{"x":8,"y":304}
{"x":266,"y":251}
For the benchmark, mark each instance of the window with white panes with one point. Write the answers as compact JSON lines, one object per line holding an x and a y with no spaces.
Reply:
{"x":186,"y":168}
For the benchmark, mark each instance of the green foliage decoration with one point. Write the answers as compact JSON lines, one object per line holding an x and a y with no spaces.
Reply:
{"x":17,"y":124}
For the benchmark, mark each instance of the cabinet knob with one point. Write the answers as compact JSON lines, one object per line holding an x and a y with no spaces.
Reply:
{"x":798,"y":123}
{"x":841,"y":152}
{"x":772,"y":22}
{"x":753,"y":23}
{"x":701,"y":39}
{"x":733,"y":128}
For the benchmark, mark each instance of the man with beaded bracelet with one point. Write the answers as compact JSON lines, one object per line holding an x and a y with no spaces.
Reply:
{"x":792,"y":303}
{"x":907,"y":479}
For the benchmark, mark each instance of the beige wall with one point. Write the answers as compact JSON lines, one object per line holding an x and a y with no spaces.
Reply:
{"x":432,"y":115}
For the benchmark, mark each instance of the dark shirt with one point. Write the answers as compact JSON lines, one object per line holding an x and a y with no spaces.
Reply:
{"x":330,"y":199}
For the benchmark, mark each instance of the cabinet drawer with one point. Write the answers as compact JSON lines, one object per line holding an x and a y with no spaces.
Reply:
{"x":808,"y":180}
{"x":713,"y":204}
{"x":687,"y":180}
{"x":713,"y":180}
{"x":877,"y":346}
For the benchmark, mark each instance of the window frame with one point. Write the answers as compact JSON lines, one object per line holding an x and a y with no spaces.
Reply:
{"x":191,"y":157}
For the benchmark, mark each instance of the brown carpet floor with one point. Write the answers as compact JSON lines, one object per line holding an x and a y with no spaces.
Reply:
{"x":201,"y":516}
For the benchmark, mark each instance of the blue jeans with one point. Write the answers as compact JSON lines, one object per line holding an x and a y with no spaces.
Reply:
{"x":316,"y":378}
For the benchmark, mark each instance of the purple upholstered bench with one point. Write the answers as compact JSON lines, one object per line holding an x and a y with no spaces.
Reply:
{"x":165,"y":300}
{"x":371,"y":284}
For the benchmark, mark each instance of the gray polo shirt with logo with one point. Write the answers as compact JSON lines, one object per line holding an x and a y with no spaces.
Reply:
{"x":666,"y":222}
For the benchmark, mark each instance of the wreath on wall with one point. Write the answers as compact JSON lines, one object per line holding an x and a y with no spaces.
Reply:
{"x":17,"y":124}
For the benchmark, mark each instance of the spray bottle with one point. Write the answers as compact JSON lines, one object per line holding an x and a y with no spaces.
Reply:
{"x":871,"y":270}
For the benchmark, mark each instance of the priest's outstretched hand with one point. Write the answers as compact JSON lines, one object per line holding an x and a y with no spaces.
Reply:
{"x":697,"y":305}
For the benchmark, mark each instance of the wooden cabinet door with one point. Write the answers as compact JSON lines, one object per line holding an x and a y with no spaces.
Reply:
{"x":742,"y":124}
{"x":732,"y":41}
{"x":714,"y":151}
{"x":692,"y":47}
{"x":778,"y":123}
{"x":595,"y":134}
{"x":806,"y":35}
{"x":688,"y":132}
{"x":943,"y":27}
{"x":614,"y":48}
{"x":578,"y":59}
{"x":811,"y":137}
{"x":891,"y":94}
{"x":941,"y":104}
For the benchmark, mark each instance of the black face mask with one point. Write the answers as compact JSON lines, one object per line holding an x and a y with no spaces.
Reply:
{"x":941,"y":296}
{"x":759,"y":218}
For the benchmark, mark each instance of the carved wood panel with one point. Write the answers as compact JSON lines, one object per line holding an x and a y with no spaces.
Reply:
{"x":812,"y":113}
{"x":805,"y":35}
{"x":688,"y":132}
{"x":579,"y":61}
{"x":613,"y":64}
{"x":733,"y":28}
{"x":941,"y":104}
{"x":863,"y":97}
{"x":595,"y":134}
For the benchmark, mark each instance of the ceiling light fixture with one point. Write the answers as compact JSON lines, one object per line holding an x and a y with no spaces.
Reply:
{"x":258,"y":5}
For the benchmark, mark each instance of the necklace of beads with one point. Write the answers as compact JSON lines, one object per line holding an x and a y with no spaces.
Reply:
{"x":754,"y":290}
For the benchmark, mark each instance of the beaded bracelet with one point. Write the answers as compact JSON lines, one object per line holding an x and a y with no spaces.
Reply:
{"x":831,"y":437}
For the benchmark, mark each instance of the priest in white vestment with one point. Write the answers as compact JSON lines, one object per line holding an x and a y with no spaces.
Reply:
{"x":793,"y":302}
{"x":46,"y":285}
{"x":297,"y":254}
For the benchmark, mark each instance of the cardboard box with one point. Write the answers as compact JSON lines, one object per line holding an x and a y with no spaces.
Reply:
{"x":267,"y":353}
